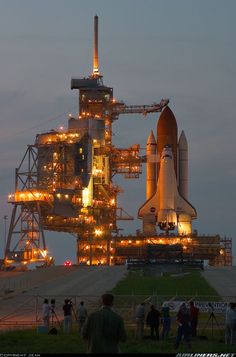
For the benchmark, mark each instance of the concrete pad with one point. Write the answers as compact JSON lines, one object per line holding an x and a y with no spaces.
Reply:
{"x":223,"y":280}
{"x":78,"y":283}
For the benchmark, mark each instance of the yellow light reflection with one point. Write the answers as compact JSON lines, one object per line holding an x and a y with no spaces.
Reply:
{"x":98,"y":232}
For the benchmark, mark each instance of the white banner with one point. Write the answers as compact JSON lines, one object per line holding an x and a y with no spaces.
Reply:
{"x":217,"y":307}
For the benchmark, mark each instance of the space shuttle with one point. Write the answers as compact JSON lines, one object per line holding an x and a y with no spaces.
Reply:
{"x":167,"y":203}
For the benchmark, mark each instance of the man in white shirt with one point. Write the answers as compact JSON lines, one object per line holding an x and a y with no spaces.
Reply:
{"x":82,"y":315}
{"x":140,"y":318}
{"x":46,"y":313}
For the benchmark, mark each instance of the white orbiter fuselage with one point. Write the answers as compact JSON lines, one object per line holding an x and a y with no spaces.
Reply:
{"x":167,"y":204}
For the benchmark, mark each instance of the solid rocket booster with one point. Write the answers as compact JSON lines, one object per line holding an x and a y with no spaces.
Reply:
{"x":167,"y":204}
{"x":151,"y":167}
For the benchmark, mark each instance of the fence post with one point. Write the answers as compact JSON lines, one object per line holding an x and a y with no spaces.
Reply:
{"x":36,"y":309}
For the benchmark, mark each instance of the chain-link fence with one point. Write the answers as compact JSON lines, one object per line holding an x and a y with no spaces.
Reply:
{"x":26,"y":311}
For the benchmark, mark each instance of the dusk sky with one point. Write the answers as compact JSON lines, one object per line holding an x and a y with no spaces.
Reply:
{"x":184,"y":50}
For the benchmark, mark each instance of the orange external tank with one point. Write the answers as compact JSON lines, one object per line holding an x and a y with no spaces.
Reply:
{"x":167,"y":134}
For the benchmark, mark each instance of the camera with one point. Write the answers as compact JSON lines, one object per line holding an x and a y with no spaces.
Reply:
{"x":69,"y":302}
{"x":211,"y":307}
{"x":53,"y":303}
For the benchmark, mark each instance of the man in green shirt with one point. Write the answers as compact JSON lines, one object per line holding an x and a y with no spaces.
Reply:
{"x":104,"y":329}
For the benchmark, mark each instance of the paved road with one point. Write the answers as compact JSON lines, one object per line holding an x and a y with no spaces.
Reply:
{"x":22,"y":294}
{"x":93,"y":280}
{"x":223,"y":280}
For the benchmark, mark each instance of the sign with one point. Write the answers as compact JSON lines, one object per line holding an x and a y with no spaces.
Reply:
{"x":218,"y":307}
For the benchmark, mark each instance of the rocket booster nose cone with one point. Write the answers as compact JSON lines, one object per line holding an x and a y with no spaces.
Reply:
{"x":182,"y":140}
{"x":151,"y":139}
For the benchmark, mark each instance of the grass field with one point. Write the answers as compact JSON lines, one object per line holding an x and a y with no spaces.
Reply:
{"x":29,"y":341}
{"x":191,"y":284}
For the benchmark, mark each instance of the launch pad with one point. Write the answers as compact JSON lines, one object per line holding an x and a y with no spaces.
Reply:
{"x":64,"y":183}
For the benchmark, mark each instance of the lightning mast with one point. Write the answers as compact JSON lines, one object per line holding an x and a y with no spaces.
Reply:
{"x":95,"y":48}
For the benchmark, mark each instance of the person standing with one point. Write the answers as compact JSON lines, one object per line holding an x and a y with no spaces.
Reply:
{"x":194,"y":311}
{"x":67,"y":309}
{"x":140,"y":317}
{"x":46,"y":313}
{"x":184,"y":329}
{"x":153,"y":320}
{"x":82,"y":315}
{"x":166,"y":322}
{"x":104,"y":329}
{"x":230,"y":324}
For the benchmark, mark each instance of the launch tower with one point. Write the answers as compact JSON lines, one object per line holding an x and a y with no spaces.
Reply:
{"x":64,"y":182}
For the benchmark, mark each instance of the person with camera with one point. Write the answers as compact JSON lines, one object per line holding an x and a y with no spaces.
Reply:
{"x":46,"y":313}
{"x":67,"y":309}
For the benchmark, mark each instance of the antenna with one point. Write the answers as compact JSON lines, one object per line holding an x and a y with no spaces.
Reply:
{"x":95,"y":48}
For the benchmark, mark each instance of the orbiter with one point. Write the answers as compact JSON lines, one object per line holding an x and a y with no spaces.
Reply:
{"x":167,"y":180}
